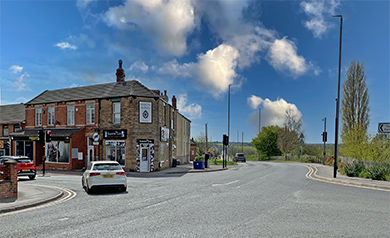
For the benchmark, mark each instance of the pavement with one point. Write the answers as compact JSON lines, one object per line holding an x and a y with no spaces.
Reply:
{"x":30,"y":195}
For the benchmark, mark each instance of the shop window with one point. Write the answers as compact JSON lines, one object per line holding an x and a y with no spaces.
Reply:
{"x":71,"y":115}
{"x":38,"y":116}
{"x":57,"y":152}
{"x":116,"y":151}
{"x":50,"y":117}
{"x":91,"y":113}
{"x":24,"y":148}
{"x":5,"y":130}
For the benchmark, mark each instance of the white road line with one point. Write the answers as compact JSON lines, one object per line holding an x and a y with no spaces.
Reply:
{"x":224,"y":184}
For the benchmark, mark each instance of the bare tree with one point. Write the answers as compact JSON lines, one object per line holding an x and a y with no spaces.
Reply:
{"x":288,"y":134}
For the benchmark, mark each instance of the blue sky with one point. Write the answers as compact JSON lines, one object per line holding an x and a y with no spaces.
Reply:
{"x":276,"y":55}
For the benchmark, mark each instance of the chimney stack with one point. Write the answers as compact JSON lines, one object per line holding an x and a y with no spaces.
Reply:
{"x":174,"y":101}
{"x":120,"y":73}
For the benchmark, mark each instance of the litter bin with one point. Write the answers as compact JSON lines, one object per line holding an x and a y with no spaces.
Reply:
{"x":174,"y":162}
{"x":206,"y":160}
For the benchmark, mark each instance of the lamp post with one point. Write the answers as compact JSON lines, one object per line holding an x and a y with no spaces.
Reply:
{"x":337,"y":104}
{"x":258,"y":153}
{"x":324,"y":139}
{"x":228,"y":146}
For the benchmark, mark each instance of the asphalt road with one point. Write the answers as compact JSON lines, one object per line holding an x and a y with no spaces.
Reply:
{"x":255,"y":200}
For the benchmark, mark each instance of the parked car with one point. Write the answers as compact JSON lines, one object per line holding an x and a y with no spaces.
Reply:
{"x":24,"y":165}
{"x":239,"y":157}
{"x":104,"y":174}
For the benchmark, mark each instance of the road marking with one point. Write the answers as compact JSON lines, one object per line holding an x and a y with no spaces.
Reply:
{"x":67,"y":195}
{"x":314,"y":171}
{"x":224,"y":184}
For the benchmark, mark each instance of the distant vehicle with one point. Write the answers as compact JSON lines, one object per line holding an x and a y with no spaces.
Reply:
{"x":104,"y":174}
{"x":239,"y":157}
{"x":24,"y":165}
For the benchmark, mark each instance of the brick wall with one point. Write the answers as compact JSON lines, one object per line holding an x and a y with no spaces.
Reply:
{"x":9,"y":180}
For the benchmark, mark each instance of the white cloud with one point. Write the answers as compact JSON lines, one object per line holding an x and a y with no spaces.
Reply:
{"x":83,"y":3}
{"x":193,"y":111}
{"x":16,"y":69}
{"x":213,"y":72}
{"x":254,"y":101}
{"x":168,"y":22}
{"x":66,"y":45}
{"x":284,"y":58}
{"x":139,"y":65}
{"x":272,"y":112}
{"x":20,"y":85}
{"x":317,"y":11}
{"x":16,"y":101}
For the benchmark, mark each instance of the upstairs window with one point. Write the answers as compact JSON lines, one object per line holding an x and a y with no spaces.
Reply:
{"x":71,"y":115}
{"x":91,"y":113}
{"x":38,"y":116}
{"x":5,"y":130}
{"x":116,"y":112}
{"x":50,"y":117}
{"x":16,"y":128}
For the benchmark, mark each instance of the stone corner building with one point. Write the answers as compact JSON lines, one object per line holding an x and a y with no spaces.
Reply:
{"x":122,"y":121}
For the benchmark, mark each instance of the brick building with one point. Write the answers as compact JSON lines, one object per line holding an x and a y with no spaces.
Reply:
{"x":12,"y":119}
{"x":122,"y":121}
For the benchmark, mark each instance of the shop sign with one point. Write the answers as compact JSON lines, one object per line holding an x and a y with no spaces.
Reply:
{"x":139,"y":141}
{"x":33,"y":138}
{"x":145,"y":112}
{"x":164,"y":134}
{"x":1,"y":144}
{"x":115,"y":134}
{"x":115,"y":143}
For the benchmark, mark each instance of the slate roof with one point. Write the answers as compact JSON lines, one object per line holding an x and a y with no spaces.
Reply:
{"x":98,"y":91}
{"x":12,"y":114}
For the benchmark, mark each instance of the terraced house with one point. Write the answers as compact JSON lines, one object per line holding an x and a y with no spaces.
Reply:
{"x":122,"y":121}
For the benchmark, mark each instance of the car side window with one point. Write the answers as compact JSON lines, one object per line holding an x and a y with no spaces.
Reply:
{"x":89,"y":167}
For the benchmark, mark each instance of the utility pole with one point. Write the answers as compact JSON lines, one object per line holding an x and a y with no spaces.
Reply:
{"x":207,"y":146}
{"x":242,"y":144}
{"x":336,"y":140}
{"x":228,"y":146}
{"x":258,"y":153}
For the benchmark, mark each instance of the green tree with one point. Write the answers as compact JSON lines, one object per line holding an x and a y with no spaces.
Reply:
{"x":200,"y":144}
{"x":355,"y":112}
{"x":266,"y":141}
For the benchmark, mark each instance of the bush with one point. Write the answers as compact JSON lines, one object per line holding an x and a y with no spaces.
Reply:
{"x":198,"y":158}
{"x":353,"y":170}
{"x":380,"y":171}
{"x":365,"y":174}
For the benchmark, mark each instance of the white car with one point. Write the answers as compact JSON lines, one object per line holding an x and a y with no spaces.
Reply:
{"x":104,"y":174}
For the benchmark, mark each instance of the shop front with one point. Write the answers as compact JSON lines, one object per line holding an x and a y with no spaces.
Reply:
{"x":115,"y":145}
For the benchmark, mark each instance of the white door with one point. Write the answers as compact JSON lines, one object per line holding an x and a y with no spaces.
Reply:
{"x":144,"y":164}
{"x":90,"y":155}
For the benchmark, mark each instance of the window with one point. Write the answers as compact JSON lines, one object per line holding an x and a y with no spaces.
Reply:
{"x":91,"y":113}
{"x":117,"y":112}
{"x":5,"y":130}
{"x":38,"y":116}
{"x":50,"y":117}
{"x":71,"y":115}
{"x":116,"y":151}
{"x":16,"y":128}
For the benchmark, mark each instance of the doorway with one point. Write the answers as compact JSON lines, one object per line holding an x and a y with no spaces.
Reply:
{"x":145,"y":160}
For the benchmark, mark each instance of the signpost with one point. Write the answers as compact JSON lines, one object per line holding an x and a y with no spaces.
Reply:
{"x":384,"y":127}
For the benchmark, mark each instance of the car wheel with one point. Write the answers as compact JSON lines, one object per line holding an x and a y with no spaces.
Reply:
{"x":32,"y":177}
{"x":87,"y":189}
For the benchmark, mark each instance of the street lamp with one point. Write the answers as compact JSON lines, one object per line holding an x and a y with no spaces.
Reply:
{"x":228,"y":146}
{"x":337,"y":103}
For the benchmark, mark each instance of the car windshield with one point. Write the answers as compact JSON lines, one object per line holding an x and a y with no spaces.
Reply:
{"x":107,"y":167}
{"x":23,"y":160}
{"x":240,"y":154}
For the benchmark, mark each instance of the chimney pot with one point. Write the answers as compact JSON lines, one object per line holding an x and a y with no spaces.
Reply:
{"x":174,"y":101}
{"x":120,"y":73}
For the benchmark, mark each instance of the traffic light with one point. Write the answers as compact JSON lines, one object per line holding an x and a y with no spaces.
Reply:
{"x":48,"y":136}
{"x":225,"y":140}
{"x":324,"y":136}
{"x":41,"y":136}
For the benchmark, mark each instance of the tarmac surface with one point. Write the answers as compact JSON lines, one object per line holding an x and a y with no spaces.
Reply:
{"x":34,"y":195}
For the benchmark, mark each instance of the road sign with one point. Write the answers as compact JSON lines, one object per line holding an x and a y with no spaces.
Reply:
{"x":95,"y":136}
{"x":384,"y":127}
